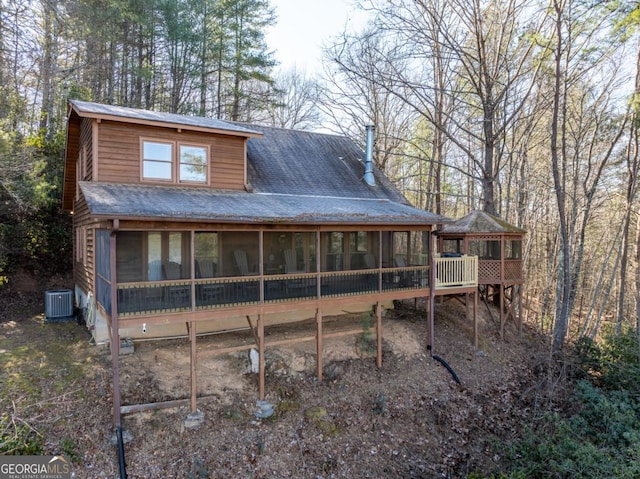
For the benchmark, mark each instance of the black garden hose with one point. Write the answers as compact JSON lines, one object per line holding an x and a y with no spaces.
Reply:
{"x":449,"y":368}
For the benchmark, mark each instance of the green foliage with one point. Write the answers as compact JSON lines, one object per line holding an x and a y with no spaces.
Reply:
{"x":70,"y":450}
{"x":34,"y":233}
{"x":602,"y":436}
{"x":366,"y":341}
{"x":18,"y":438}
{"x":614,"y":364}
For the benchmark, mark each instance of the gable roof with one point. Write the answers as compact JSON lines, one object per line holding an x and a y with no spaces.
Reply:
{"x":481,"y":222}
{"x":294,"y":177}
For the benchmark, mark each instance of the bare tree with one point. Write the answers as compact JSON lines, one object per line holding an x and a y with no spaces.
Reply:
{"x":359,"y":89}
{"x":296,"y":101}
{"x":480,"y":50}
{"x":584,"y":135}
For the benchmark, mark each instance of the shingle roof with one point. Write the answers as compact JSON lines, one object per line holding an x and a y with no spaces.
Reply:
{"x":480,"y":222}
{"x":294,"y":176}
{"x":179,"y":203}
{"x":308,"y":163}
{"x":90,"y":109}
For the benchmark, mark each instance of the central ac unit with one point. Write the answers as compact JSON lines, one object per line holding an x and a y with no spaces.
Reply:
{"x":58,"y":305}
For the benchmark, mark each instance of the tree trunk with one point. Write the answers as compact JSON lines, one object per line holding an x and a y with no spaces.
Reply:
{"x":637,"y":281}
{"x":48,"y":68}
{"x":561,"y":323}
{"x":633,"y":160}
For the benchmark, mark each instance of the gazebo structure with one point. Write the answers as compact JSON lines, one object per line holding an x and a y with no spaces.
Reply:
{"x":498,"y":246}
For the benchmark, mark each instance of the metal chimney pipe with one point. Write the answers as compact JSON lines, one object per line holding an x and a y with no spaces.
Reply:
{"x":368,"y":161}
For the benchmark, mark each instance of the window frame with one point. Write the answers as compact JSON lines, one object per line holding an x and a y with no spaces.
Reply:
{"x":175,"y":161}
{"x":179,"y":162}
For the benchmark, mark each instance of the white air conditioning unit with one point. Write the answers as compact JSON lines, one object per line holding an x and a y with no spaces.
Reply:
{"x":58,"y":305}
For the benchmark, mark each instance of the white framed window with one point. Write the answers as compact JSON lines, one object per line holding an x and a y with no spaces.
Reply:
{"x":174,"y":162}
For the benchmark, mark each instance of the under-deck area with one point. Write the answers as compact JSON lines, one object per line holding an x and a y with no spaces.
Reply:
{"x":199,"y":280}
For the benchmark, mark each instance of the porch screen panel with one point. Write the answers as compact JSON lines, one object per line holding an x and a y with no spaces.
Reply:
{"x":129,"y":257}
{"x":206,"y":254}
{"x":288,"y":252}
{"x":168,"y":255}
{"x":333,"y":246}
{"x":400,"y":246}
{"x":485,"y":249}
{"x":103,"y":270}
{"x":513,"y":249}
{"x":364,"y":250}
{"x":239,"y":253}
{"x":452,"y":245}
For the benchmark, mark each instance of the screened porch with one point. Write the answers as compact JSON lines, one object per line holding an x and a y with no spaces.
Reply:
{"x":181,"y":271}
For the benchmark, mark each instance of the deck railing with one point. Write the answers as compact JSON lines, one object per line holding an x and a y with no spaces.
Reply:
{"x":490,"y":272}
{"x":455,"y":272}
{"x":209,"y":293}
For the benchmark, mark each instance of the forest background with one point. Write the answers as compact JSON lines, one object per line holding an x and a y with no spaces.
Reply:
{"x":527,"y":109}
{"x":524,"y":109}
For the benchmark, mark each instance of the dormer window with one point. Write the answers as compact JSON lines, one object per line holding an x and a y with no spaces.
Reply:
{"x":157,"y":161}
{"x":174,"y":162}
{"x":193,"y":163}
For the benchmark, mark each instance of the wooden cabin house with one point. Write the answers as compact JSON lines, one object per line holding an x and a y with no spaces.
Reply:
{"x":498,"y":246}
{"x":186,"y":225}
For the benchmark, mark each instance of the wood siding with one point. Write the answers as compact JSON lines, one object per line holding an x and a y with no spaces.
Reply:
{"x":83,"y":270}
{"x":119,"y":154}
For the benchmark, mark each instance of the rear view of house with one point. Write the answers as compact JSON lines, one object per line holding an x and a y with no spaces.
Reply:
{"x":181,"y":219}
{"x":186,"y":225}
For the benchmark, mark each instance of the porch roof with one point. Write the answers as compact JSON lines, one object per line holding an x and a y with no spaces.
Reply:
{"x":481,"y":222}
{"x":131,"y":201}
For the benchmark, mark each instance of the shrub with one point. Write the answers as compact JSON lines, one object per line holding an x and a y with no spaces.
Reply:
{"x":602,"y":436}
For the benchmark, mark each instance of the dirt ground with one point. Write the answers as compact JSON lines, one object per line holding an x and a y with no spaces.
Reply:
{"x":409,"y":419}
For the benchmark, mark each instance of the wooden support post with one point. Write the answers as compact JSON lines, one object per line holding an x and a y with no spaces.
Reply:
{"x":502,"y":317}
{"x":261,"y":354}
{"x":379,"y":335}
{"x":319,"y":343}
{"x":467,"y":297}
{"x":428,"y":311}
{"x":115,"y":327}
{"x":518,"y":309}
{"x":475,"y":319}
{"x":194,"y":361}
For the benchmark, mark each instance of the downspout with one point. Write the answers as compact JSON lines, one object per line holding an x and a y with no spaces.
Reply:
{"x":368,"y":161}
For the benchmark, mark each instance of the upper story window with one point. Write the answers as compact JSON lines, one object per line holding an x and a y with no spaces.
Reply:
{"x":168,"y":161}
{"x":157,"y":161}
{"x":193,"y":163}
